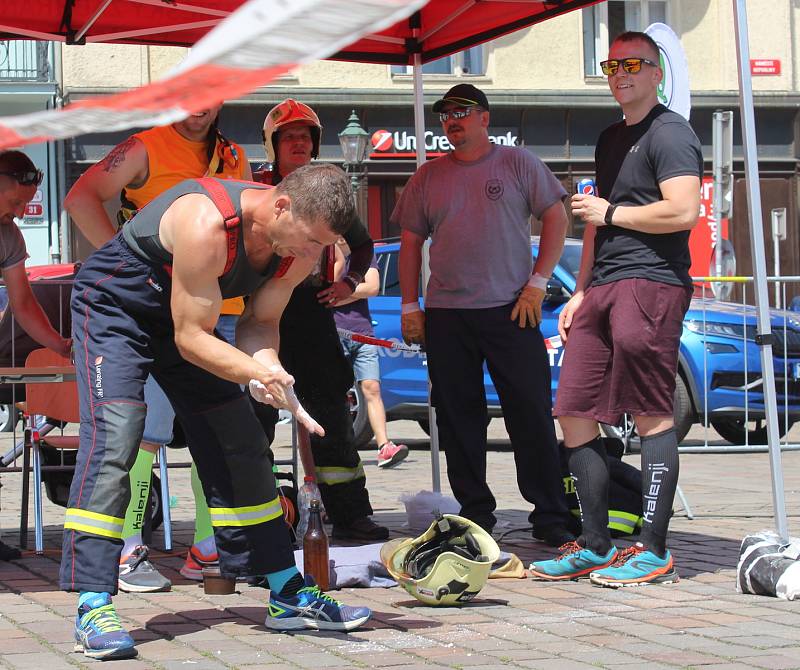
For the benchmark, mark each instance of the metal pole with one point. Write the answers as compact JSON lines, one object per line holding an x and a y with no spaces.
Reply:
{"x":419,"y":131}
{"x":764,"y":337}
{"x":776,"y":267}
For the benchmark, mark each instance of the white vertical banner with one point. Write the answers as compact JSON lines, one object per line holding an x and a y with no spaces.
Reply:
{"x":673,"y":92}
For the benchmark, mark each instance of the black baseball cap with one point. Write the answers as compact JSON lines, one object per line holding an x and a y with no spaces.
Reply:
{"x":464,"y":95}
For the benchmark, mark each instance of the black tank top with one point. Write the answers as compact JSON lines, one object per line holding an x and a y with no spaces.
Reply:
{"x":141,"y":235}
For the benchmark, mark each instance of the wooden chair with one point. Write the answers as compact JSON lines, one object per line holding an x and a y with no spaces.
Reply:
{"x":59,"y":401}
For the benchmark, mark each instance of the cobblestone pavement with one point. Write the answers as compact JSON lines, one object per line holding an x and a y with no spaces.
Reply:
{"x":699,"y":622}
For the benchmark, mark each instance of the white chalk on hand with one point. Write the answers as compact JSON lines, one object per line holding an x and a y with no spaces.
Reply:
{"x":260,"y":393}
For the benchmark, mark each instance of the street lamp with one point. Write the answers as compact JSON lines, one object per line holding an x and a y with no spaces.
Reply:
{"x":354,"y":140}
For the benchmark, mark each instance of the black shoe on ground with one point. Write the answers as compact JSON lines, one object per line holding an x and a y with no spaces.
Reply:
{"x":364,"y":529}
{"x":555,"y":536}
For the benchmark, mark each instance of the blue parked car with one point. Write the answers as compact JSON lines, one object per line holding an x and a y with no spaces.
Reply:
{"x":718,"y":373}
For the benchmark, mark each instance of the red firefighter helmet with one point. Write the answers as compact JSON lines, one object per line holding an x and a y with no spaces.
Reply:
{"x":287,"y":112}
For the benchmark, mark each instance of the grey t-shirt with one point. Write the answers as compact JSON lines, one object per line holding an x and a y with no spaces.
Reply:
{"x":478,"y":217}
{"x":12,"y":246}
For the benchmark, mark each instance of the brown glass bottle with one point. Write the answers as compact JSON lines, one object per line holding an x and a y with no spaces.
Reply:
{"x":315,"y":548}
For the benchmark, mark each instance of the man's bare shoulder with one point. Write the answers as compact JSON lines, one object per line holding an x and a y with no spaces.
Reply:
{"x":192,"y":226}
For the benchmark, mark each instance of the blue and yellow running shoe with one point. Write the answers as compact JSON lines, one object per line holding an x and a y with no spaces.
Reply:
{"x":98,"y":631}
{"x":636,"y":566}
{"x":575,"y":562}
{"x":311,"y":608}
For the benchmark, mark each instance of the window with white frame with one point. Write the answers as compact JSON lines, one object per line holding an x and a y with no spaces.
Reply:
{"x":467,"y":62}
{"x":603,"y":22}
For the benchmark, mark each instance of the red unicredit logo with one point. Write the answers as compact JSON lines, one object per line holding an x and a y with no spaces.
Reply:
{"x":382,"y":140}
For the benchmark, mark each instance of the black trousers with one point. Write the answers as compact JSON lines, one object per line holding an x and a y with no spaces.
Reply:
{"x":312,"y":353}
{"x":458,"y":342}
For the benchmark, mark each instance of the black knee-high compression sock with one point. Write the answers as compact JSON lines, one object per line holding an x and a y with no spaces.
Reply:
{"x":659,"y":482}
{"x":589,"y":468}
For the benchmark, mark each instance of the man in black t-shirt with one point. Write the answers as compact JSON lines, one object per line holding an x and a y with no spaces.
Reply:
{"x":623,"y":324}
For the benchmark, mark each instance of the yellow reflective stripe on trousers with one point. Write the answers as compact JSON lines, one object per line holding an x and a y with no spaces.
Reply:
{"x":333,"y":476}
{"x":93,"y":523}
{"x":246,"y":516}
{"x":622,"y":521}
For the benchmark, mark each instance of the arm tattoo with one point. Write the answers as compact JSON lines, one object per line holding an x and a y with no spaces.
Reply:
{"x":117,"y":155}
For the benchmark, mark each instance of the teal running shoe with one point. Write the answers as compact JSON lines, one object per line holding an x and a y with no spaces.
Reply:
{"x":98,"y":631}
{"x":311,"y":608}
{"x":636,"y":566}
{"x":575,"y":562}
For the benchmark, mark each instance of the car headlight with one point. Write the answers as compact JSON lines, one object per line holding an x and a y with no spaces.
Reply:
{"x":734,"y":330}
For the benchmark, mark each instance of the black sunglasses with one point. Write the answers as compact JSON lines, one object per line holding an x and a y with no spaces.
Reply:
{"x":630,"y":65}
{"x":457,"y":113}
{"x":26,"y":177}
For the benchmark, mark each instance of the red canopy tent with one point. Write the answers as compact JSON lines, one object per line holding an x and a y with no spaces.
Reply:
{"x":442,"y":27}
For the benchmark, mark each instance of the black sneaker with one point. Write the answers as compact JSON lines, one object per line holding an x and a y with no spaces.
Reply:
{"x":364,"y":529}
{"x":555,"y":536}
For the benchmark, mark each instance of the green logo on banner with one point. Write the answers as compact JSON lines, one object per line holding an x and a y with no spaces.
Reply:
{"x":662,"y":95}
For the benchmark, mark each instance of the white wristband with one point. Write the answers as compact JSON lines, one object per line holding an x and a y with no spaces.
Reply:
{"x":538,"y":281}
{"x":409,"y":307}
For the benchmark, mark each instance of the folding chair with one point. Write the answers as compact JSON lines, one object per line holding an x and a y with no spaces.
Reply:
{"x":59,"y":401}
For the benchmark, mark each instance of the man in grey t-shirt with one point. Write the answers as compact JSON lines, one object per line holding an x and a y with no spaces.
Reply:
{"x":18,"y":181}
{"x":484,"y":305}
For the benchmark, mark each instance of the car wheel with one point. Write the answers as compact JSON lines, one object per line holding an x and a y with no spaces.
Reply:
{"x":9,"y":415}
{"x":156,"y":503}
{"x":358,"y":413}
{"x":625,"y":430}
{"x":734,"y":429}
{"x":684,"y":417}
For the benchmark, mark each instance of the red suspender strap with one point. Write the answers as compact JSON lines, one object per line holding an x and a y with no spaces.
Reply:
{"x":222,"y":201}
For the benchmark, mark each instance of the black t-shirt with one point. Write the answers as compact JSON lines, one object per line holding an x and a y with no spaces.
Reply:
{"x":631,"y":162}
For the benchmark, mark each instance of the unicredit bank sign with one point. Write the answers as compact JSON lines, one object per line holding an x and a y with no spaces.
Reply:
{"x":403,"y":143}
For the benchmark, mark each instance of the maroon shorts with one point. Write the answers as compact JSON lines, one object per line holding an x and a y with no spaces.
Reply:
{"x":621,"y":353}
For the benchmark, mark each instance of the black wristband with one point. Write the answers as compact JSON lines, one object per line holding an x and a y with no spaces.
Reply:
{"x":609,"y":215}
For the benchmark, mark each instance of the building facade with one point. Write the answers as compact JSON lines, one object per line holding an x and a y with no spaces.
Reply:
{"x":545,"y":87}
{"x":28,"y":83}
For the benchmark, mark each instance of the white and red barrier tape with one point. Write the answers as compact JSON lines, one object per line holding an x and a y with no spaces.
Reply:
{"x":549,"y":342}
{"x":378,"y":342}
{"x":257,"y":43}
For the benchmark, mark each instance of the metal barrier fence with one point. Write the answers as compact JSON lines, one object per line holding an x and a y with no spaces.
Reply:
{"x":26,"y":60}
{"x":725,"y":384}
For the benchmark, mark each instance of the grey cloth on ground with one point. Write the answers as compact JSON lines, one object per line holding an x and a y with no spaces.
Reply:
{"x":354,"y":566}
{"x":12,"y":246}
{"x":362,"y":567}
{"x":461,"y":206}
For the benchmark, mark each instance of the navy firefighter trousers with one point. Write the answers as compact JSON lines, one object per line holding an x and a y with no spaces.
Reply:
{"x":122,"y":329}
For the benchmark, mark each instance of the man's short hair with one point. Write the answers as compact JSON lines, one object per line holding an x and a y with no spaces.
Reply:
{"x":636,"y":36}
{"x":15,"y":161}
{"x":320,"y":191}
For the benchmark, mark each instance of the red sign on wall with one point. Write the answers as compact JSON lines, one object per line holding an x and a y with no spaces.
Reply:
{"x":706,"y":233}
{"x":34,"y":210}
{"x":765,"y":66}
